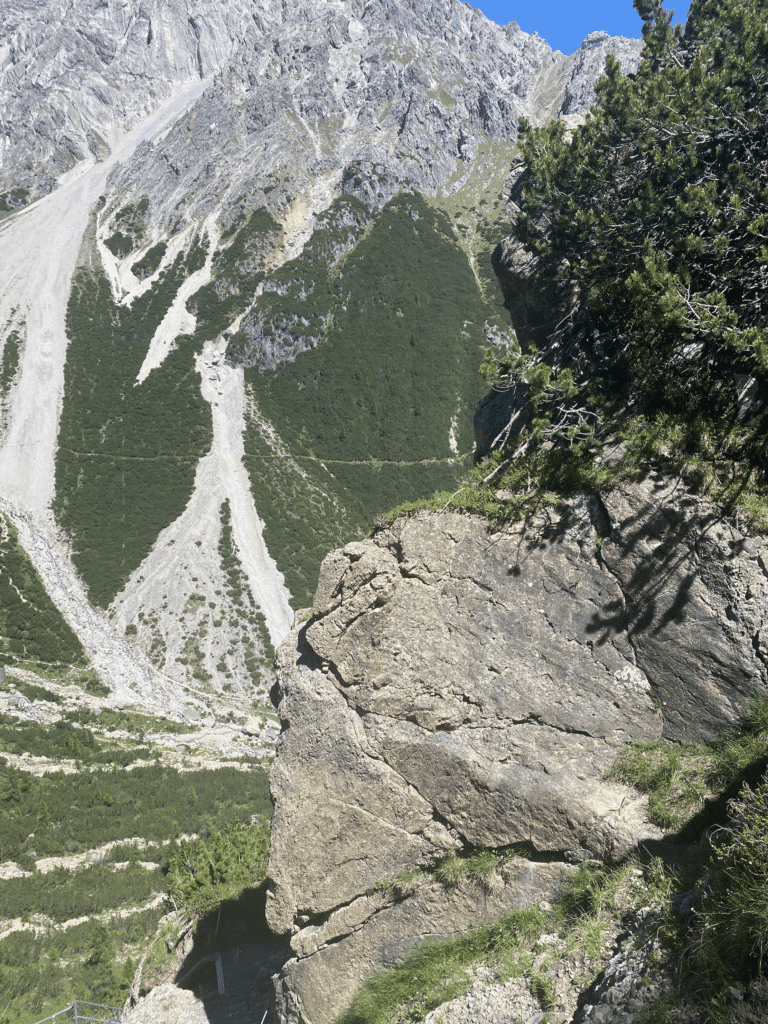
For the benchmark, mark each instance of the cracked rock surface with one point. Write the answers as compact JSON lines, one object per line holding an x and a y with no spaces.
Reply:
{"x":457,"y":689}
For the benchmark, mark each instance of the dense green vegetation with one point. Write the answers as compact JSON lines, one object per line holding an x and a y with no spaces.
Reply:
{"x":58,"y":814}
{"x":205,"y":872}
{"x":64,"y":739}
{"x":63,"y":895}
{"x":127,"y":453}
{"x":30,"y":690}
{"x":298,"y":299}
{"x":130,"y":222}
{"x":236,"y":273}
{"x":9,"y":362}
{"x":365,"y":417}
{"x":44,"y":971}
{"x":401,"y":356}
{"x":311,"y":506}
{"x":150,"y":261}
{"x":656,"y":211}
{"x":14,"y":199}
{"x":31,"y":626}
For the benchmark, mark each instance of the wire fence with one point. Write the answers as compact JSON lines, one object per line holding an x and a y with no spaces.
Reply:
{"x":80,"y":1012}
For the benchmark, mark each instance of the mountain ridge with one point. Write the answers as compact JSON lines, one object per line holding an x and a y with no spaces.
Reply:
{"x":244,"y":291}
{"x":343,"y":84}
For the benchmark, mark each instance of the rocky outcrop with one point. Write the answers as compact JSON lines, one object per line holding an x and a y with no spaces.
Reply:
{"x":72,"y":74}
{"x":459,"y":689}
{"x":374,"y":931}
{"x":589,"y":65}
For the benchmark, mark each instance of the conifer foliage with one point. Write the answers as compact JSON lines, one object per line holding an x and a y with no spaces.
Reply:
{"x":657,"y":210}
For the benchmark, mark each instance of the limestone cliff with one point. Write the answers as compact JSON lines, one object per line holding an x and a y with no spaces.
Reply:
{"x":458,"y":689}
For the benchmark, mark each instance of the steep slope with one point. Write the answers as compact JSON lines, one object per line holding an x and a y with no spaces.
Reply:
{"x":457,"y":691}
{"x":223,"y":254}
{"x":75,"y":76}
{"x":244,"y":289}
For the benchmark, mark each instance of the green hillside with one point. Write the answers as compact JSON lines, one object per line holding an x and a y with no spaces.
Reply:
{"x":114,"y":807}
{"x":367,"y":416}
{"x":31,"y":627}
{"x":127,"y":453}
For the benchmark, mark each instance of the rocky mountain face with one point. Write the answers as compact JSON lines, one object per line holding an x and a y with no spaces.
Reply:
{"x":457,"y":689}
{"x":245,"y":287}
{"x":213,"y":176}
{"x":72,"y":75}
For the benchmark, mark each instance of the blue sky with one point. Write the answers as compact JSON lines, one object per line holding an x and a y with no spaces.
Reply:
{"x":565,"y":23}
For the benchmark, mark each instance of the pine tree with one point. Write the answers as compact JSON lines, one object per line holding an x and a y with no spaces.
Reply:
{"x":657,"y":210}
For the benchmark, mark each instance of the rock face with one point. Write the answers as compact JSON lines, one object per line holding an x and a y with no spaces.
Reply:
{"x":695,"y":589}
{"x":72,"y":73}
{"x":589,"y":64}
{"x":457,"y":689}
{"x":319,"y":99}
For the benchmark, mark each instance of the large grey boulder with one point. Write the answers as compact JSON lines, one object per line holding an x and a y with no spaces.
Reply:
{"x":458,"y":689}
{"x":315,"y":987}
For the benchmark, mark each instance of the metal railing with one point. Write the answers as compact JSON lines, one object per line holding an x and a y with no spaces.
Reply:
{"x":81,"y":1012}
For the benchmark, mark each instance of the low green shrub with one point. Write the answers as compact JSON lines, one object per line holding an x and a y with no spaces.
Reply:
{"x":32,"y":691}
{"x":204,"y":873}
{"x":730,"y":933}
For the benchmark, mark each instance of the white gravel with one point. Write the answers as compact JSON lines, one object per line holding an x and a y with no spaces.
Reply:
{"x":38,"y":252}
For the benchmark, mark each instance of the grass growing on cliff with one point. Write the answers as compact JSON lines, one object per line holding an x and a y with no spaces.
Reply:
{"x":678,"y":777}
{"x":544,"y":476}
{"x":438,"y":971}
{"x":592,"y":901}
